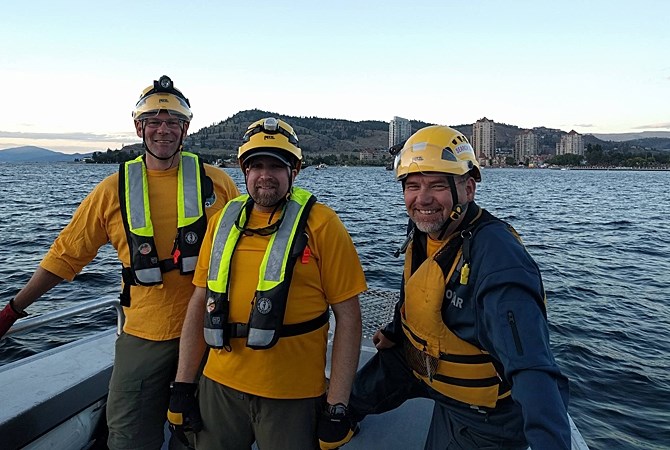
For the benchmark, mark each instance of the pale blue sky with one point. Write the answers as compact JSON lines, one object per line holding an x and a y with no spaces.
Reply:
{"x":72,"y":70}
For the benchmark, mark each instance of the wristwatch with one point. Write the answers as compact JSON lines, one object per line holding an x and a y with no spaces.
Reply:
{"x":336,"y":410}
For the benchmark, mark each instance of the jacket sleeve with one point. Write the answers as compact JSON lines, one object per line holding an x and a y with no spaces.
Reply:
{"x":513,"y":328}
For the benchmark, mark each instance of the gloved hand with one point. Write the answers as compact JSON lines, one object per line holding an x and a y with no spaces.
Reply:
{"x":335,"y":427}
{"x":183,"y":412}
{"x":8,"y":316}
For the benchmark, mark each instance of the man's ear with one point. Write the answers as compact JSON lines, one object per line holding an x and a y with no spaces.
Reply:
{"x":138,"y":128}
{"x":185,"y":129}
{"x":470,"y":188}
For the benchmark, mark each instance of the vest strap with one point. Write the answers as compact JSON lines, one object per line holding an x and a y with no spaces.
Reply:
{"x":241,"y":330}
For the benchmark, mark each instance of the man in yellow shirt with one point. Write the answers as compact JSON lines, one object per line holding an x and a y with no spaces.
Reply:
{"x":274,"y":262}
{"x":182,"y":193}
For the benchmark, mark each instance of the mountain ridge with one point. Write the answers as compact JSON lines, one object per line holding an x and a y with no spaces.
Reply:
{"x":330,"y":136}
{"x":31,"y":153}
{"x":320,"y":136}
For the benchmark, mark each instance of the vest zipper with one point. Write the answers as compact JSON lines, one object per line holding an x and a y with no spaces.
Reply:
{"x":515,"y":332}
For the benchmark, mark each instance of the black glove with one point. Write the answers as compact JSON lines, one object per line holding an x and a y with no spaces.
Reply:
{"x":336,"y":427}
{"x":183,"y":412}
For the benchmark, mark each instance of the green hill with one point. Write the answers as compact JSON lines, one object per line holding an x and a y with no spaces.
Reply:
{"x":320,"y":136}
{"x":317,"y":135}
{"x":323,"y":136}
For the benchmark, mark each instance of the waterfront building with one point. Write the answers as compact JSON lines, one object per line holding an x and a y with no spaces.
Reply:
{"x":571,"y":143}
{"x":526,"y":145}
{"x":399,"y":131}
{"x":484,"y":137}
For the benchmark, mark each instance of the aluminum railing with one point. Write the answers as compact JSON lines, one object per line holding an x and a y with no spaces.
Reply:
{"x":33,"y":322}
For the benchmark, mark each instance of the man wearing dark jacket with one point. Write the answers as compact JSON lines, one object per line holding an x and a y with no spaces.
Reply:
{"x":470,"y":329}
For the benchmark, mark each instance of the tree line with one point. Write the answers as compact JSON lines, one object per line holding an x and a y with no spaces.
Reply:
{"x":594,"y":155}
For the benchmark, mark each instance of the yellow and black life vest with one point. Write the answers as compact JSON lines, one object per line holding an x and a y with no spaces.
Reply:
{"x":266,"y":319}
{"x":457,"y":369}
{"x":194,"y":187}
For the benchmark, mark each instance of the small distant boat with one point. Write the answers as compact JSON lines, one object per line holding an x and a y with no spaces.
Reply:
{"x":322,"y":166}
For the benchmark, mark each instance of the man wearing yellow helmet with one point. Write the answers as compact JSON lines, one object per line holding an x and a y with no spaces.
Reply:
{"x":470,"y":329}
{"x":162,"y":116}
{"x":274,"y":262}
{"x":139,"y":210}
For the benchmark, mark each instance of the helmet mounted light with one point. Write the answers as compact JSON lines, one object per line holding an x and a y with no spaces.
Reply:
{"x":272,"y":137}
{"x":162,"y":95}
{"x":165,"y":82}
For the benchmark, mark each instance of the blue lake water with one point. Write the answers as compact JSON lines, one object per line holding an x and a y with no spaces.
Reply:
{"x":601,"y":238}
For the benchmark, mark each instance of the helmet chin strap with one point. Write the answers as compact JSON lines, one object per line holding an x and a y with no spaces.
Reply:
{"x":456,"y":211}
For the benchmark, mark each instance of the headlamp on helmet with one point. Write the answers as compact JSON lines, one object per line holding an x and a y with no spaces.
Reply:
{"x":272,"y":137}
{"x":162,"y":96}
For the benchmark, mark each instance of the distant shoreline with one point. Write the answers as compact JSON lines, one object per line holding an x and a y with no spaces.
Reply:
{"x":617,"y":169}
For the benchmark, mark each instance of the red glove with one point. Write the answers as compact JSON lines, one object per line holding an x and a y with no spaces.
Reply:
{"x":8,"y":316}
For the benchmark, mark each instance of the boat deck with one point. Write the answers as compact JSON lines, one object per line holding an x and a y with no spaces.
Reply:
{"x":49,"y":389}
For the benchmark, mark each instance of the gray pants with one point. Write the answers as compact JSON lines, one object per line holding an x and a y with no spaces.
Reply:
{"x":386,"y":382}
{"x":233,"y":420}
{"x":139,"y":392}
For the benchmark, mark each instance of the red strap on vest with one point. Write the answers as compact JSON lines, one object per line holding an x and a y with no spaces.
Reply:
{"x":305,"y":255}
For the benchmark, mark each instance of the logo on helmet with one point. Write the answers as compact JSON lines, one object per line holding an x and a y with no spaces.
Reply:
{"x":265,"y":138}
{"x":163,"y":100}
{"x":463,"y":148}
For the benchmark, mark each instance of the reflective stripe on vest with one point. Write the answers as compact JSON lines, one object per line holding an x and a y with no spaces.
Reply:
{"x":273,"y":276}
{"x":143,"y":253}
{"x":189,"y":201}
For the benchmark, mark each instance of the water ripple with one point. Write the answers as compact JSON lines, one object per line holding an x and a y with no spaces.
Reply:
{"x":604,"y":260}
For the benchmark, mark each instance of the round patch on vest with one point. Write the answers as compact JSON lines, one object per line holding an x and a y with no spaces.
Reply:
{"x":264,"y":305}
{"x":191,"y":238}
{"x":144,"y":249}
{"x":210,"y":304}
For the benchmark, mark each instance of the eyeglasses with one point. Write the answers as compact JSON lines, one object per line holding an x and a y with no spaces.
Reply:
{"x":171,"y":123}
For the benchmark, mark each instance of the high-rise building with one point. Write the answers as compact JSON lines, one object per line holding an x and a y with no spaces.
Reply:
{"x":484,"y":138}
{"x":526,"y":144}
{"x":399,"y":130}
{"x":570,"y":143}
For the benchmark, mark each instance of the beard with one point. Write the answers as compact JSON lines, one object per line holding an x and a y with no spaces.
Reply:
{"x":267,"y":194}
{"x":429,"y":226}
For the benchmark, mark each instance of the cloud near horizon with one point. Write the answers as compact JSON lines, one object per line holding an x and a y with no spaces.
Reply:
{"x":92,"y":137}
{"x":665,"y":125}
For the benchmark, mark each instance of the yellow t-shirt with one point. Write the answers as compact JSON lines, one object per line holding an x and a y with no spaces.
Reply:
{"x":156,"y":312}
{"x":294,"y":367}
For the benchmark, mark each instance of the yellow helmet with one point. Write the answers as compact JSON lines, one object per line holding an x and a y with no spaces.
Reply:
{"x":162,"y":95}
{"x":272,"y":137}
{"x":437,"y":149}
